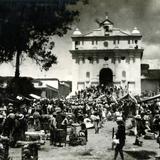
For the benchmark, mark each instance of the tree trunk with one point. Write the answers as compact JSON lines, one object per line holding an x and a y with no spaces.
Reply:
{"x":17,"y":73}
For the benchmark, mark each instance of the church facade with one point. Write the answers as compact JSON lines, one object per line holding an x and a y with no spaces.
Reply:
{"x":108,"y":56}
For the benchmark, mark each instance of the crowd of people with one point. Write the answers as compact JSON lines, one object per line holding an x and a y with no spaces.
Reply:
{"x":95,"y":104}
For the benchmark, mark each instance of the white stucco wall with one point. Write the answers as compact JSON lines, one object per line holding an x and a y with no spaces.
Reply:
{"x":132,"y":69}
{"x":118,"y":45}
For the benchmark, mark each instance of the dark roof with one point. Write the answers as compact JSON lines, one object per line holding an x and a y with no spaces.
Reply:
{"x":152,"y":74}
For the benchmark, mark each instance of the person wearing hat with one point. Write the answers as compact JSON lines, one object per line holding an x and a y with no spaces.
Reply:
{"x":64,"y":122}
{"x":37,"y":123}
{"x":10,"y":108}
{"x":140,"y":130}
{"x":52,"y":128}
{"x":73,"y":136}
{"x":22,"y":126}
{"x":9,"y":126}
{"x":121,"y":136}
{"x":83,"y":132}
{"x":156,"y":123}
{"x":19,"y":128}
{"x":96,"y":119}
{"x":2,"y":119}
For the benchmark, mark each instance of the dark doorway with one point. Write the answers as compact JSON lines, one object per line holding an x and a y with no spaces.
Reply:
{"x":106,"y":76}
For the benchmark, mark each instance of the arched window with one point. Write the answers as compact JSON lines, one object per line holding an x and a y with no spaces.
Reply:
{"x":106,"y":76}
{"x":123,"y":58}
{"x":124,"y":74}
{"x":90,"y":59}
{"x":106,"y":28}
{"x":136,"y":41}
{"x":88,"y":74}
{"x":106,"y":58}
{"x":77,"y":42}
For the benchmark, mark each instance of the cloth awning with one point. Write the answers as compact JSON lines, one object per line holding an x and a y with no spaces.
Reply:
{"x":151,"y":98}
{"x":130,"y":97}
{"x":35,"y":96}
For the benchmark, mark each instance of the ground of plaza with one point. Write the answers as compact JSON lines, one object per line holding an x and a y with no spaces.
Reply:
{"x":97,"y":148}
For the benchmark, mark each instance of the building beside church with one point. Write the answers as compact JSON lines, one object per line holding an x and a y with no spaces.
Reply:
{"x":108,"y":56}
{"x":52,"y":87}
{"x":150,"y":80}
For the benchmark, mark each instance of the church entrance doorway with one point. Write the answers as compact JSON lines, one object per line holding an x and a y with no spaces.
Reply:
{"x":106,"y":76}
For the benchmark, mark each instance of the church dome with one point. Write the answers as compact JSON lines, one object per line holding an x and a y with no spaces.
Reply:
{"x":77,"y":32}
{"x":136,"y":31}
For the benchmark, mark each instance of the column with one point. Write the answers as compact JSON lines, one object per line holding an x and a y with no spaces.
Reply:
{"x":94,"y":59}
{"x":131,"y":58}
{"x":132,"y":74}
{"x":77,"y":60}
{"x":75,"y":74}
{"x":73,"y":45}
{"x":80,"y":60}
{"x":94,"y":69}
{"x":116,"y":60}
{"x":80,"y":68}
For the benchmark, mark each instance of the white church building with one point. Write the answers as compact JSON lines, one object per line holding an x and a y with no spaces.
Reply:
{"x":108,"y":56}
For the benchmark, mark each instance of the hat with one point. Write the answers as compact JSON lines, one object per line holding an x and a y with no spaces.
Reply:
{"x":10,"y":108}
{"x":12,"y":115}
{"x":10,"y":104}
{"x":1,"y":116}
{"x":119,"y":119}
{"x":138,"y":117}
{"x":54,"y":114}
{"x":21,"y":116}
{"x":148,"y":112}
{"x":75,"y":124}
{"x":58,"y":109}
{"x":157,"y":116}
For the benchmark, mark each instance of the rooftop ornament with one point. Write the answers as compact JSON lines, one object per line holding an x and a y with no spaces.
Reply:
{"x":77,"y":32}
{"x":136,"y":31}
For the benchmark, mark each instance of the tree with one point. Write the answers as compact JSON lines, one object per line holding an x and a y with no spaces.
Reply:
{"x":24,"y":87}
{"x":27,"y":25}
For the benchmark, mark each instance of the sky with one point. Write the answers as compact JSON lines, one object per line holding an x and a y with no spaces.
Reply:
{"x":126,"y":14}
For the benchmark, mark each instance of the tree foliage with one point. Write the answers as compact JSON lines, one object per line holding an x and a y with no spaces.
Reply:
{"x":21,"y":86}
{"x":27,"y":25}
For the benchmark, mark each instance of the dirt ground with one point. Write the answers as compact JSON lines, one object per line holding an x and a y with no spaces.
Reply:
{"x":97,"y":148}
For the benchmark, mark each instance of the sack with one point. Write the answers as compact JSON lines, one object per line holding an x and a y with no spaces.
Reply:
{"x":149,"y":135}
{"x":82,"y":141}
{"x":81,"y":134}
{"x":115,"y":141}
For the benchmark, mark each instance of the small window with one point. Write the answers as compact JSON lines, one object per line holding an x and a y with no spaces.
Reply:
{"x":96,"y":42}
{"x":40,"y":84}
{"x":114,"y":42}
{"x":124,"y":74}
{"x":105,"y":44}
{"x":107,"y":28}
{"x":90,"y":59}
{"x":77,"y":42}
{"x":92,"y":42}
{"x":129,"y":41}
{"x":136,"y":41}
{"x":88,"y":74}
{"x":106,"y":58}
{"x":123,"y":58}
